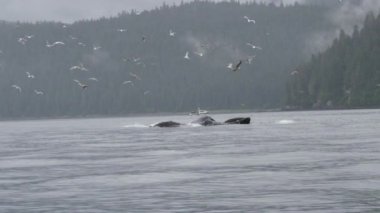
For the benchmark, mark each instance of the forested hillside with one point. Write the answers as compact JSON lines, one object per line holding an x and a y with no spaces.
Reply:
{"x":347,"y":75}
{"x":135,"y":63}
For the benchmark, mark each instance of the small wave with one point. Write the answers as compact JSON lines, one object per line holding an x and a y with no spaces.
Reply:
{"x":285,"y":122}
{"x":135,"y":126}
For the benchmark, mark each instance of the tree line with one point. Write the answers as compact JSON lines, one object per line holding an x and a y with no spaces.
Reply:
{"x":347,"y":75}
{"x":138,"y":60}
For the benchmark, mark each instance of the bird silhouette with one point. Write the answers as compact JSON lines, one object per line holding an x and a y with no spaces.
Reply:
{"x":187,"y":56}
{"x":128,"y":82}
{"x":230,"y":66}
{"x":79,"y":67}
{"x":237,"y":66}
{"x":171,"y":33}
{"x":29,"y":75}
{"x":254,"y":46}
{"x":83,"y":86}
{"x":134,"y":76}
{"x":295,"y":72}
{"x":200,"y":54}
{"x":249,"y":20}
{"x":17,"y":87}
{"x":38,"y":92}
{"x":57,"y":43}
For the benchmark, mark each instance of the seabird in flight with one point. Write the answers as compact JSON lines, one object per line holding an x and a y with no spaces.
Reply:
{"x":29,"y":75}
{"x":187,"y":56}
{"x":237,"y":66}
{"x":17,"y":87}
{"x":249,"y":20}
{"x":57,"y":43}
{"x":134,"y":76}
{"x":84,"y":86}
{"x":254,"y":46}
{"x":38,"y":92}
{"x":171,"y":33}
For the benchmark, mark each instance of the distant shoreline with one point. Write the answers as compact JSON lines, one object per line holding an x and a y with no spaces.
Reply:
{"x":159,"y":114}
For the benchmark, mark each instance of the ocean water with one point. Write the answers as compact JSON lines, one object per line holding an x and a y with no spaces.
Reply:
{"x":319,"y":161}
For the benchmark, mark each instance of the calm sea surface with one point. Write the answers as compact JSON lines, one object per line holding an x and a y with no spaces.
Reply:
{"x":323,"y":161}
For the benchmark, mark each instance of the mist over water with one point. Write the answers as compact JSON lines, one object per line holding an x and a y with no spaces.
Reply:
{"x":325,"y":161}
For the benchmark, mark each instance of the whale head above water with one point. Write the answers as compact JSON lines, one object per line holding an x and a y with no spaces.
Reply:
{"x":206,"y":121}
{"x":167,"y":124}
{"x":242,"y":120}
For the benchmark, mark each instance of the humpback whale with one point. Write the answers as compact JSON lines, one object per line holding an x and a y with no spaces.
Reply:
{"x":206,"y":121}
{"x":246,"y":120}
{"x":167,"y":124}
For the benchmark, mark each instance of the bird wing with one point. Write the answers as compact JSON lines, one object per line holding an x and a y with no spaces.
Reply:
{"x":238,"y":65}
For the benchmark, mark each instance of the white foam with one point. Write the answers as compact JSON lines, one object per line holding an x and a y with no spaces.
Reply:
{"x":193,"y":125}
{"x":135,"y":126}
{"x":285,"y":122}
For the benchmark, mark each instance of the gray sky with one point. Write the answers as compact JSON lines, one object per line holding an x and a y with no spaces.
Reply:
{"x":72,"y":10}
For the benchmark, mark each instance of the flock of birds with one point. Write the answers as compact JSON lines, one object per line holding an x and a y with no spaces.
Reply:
{"x":81,"y":67}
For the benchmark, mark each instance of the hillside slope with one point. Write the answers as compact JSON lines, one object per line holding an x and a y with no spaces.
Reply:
{"x":106,"y":54}
{"x":347,"y":75}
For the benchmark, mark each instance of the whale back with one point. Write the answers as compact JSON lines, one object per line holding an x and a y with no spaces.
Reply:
{"x":167,"y":124}
{"x":246,"y":120}
{"x":206,"y":121}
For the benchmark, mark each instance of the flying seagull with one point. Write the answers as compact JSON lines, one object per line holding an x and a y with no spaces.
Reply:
{"x":237,"y":66}
{"x":249,"y":20}
{"x":84,"y":86}
{"x":29,"y":75}
{"x":57,"y":43}
{"x":79,"y":67}
{"x":187,"y":56}
{"x":199,"y":53}
{"x":171,"y":33}
{"x":17,"y":87}
{"x":254,"y":46}
{"x":230,"y":66}
{"x":295,"y":72}
{"x":136,"y":59}
{"x":29,"y":36}
{"x":81,"y":44}
{"x":121,"y":30}
{"x":96,"y":47}
{"x":134,"y":76}
{"x":128,"y":82}
{"x":38,"y":92}
{"x":22,"y":41}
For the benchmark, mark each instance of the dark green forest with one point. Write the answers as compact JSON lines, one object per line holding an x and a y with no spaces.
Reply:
{"x":134,"y":63}
{"x":347,"y":75}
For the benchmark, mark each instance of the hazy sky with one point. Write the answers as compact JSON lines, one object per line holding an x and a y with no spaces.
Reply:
{"x":72,"y":10}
